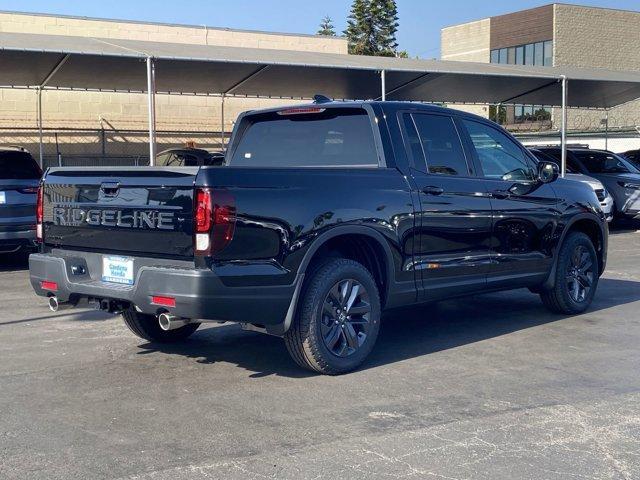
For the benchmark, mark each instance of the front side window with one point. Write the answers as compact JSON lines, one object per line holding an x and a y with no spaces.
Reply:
{"x":440,"y":144}
{"x":324,"y":137}
{"x":499,"y":156}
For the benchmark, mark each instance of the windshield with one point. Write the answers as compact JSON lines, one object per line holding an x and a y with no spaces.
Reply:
{"x":603,"y":162}
{"x":18,"y":166}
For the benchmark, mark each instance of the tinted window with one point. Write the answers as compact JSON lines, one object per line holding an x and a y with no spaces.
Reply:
{"x":440,"y":145}
{"x":499,"y":156}
{"x":177,"y":159}
{"x":334,"y":137}
{"x":19,"y":166}
{"x":549,"y":157}
{"x":602,"y":162}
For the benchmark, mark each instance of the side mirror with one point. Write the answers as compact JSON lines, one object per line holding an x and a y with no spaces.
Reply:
{"x":548,"y":172}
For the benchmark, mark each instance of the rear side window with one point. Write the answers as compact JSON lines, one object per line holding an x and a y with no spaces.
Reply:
{"x":327,"y":138}
{"x":439,"y":149}
{"x":18,"y":166}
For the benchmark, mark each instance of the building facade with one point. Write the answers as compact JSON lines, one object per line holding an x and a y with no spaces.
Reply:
{"x":552,"y":35}
{"x":113,"y":124}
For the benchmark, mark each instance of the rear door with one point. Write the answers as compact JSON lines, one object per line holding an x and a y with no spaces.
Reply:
{"x":524,"y":210}
{"x":136,"y":211}
{"x":454,"y":215}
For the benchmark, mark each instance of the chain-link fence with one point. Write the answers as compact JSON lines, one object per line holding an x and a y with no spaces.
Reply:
{"x":103,"y":147}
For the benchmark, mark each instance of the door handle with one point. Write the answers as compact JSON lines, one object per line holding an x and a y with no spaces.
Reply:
{"x":432,"y":190}
{"x":499,"y":194}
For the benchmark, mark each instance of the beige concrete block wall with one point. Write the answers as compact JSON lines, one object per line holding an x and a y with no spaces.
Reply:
{"x":601,"y":38}
{"x":468,"y":42}
{"x":53,"y":25}
{"x":94,"y":110}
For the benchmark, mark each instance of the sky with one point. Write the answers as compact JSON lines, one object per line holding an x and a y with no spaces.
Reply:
{"x":420,"y":20}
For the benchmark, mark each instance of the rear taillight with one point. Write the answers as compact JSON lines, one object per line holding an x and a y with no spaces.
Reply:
{"x":39,"y":214}
{"x":214,"y":220}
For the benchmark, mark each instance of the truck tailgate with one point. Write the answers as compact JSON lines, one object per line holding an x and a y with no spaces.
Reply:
{"x":123,"y":211}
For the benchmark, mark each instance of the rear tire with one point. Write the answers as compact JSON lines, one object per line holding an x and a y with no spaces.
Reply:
{"x":577,"y":275}
{"x":147,"y":327}
{"x":338,"y":318}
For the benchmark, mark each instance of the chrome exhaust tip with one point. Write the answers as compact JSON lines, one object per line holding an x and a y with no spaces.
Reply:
{"x":56,"y":305}
{"x":171,"y":322}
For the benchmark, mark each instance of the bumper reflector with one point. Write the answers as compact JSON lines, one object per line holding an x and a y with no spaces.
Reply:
{"x":164,"y":301}
{"x":46,"y":285}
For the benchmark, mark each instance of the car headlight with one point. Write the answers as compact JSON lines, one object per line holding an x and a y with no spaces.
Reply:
{"x":633,"y":186}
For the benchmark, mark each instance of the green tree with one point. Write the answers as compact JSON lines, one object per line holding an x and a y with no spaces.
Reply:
{"x":326,"y":27}
{"x":371,"y":28}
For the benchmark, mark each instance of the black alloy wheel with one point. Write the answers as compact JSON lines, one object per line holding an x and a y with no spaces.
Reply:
{"x":345,"y":317}
{"x":580,"y":274}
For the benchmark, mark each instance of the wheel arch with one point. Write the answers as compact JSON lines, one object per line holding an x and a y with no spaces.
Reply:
{"x":591,"y":226}
{"x":359,"y":243}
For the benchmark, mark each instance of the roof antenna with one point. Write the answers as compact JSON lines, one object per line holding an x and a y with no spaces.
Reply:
{"x":321,"y":99}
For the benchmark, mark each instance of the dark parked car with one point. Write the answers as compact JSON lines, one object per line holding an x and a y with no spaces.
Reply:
{"x":619,"y":176}
{"x":604,"y":197}
{"x":189,"y":157}
{"x":633,"y":156}
{"x":324,"y":216}
{"x":19,"y":179}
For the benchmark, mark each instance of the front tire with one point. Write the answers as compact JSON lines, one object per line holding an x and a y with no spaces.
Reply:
{"x":338,"y":319}
{"x":577,"y":275}
{"x":148,"y":328}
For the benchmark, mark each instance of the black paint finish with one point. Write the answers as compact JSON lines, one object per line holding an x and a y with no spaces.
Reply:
{"x":435,"y":236}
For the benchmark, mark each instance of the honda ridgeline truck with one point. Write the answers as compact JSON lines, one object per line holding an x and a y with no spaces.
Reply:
{"x":322,"y":217}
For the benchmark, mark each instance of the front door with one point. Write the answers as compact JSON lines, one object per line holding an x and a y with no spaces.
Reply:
{"x":454,"y":215}
{"x":524,"y":210}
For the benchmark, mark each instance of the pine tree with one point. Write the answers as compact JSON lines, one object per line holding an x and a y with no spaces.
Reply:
{"x":360,"y":31}
{"x":326,"y":27}
{"x":372,"y":26}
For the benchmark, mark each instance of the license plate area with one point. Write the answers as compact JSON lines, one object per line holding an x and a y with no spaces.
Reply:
{"x":117,"y":270}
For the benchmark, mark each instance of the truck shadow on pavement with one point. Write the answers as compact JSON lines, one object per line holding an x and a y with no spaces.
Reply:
{"x":406,"y":333}
{"x":10,"y":262}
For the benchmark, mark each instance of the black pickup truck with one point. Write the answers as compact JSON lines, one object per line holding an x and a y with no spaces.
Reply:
{"x":323,"y":216}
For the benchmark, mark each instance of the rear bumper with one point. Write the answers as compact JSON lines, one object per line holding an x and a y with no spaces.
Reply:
{"x":198,"y":293}
{"x":16,"y":237}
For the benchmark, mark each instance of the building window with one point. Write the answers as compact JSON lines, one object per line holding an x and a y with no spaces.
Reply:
{"x":548,"y":53}
{"x":502,"y":55}
{"x":540,"y":53}
{"x":528,"y":54}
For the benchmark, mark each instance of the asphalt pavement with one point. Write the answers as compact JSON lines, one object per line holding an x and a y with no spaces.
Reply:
{"x":491,"y":387}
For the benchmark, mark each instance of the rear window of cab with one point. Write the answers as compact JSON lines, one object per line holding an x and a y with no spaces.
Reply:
{"x":306,"y":137}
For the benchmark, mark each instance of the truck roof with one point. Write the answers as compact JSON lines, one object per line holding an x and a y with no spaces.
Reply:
{"x":386,"y":106}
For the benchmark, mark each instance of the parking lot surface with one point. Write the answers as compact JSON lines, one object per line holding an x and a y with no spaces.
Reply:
{"x":488,"y":387}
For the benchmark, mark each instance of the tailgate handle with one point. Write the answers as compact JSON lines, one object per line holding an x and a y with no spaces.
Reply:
{"x":110,"y":189}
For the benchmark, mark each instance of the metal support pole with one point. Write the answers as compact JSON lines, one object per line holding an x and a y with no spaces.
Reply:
{"x":606,"y":129}
{"x":151,"y":93}
{"x":222,"y":123}
{"x":41,"y":145}
{"x":563,"y":133}
{"x":383,"y":81}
